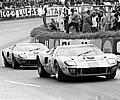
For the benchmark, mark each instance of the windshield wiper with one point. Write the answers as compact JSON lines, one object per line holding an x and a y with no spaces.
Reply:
{"x":84,"y":53}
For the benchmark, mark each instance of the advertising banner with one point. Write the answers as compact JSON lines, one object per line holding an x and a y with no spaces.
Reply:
{"x":7,"y":13}
{"x":20,"y":13}
{"x":35,"y":12}
{"x":28,"y":12}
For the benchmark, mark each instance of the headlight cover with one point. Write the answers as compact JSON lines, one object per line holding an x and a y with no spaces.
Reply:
{"x":22,"y":56}
{"x":70,"y":63}
{"x":111,"y":60}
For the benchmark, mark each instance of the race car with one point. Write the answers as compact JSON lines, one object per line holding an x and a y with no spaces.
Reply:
{"x":76,"y":61}
{"x":22,"y":54}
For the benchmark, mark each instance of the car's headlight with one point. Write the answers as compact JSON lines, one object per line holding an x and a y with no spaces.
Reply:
{"x":111,"y":60}
{"x":70,"y":63}
{"x":22,"y":56}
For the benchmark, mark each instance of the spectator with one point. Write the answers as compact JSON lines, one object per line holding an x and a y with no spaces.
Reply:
{"x":74,"y":20}
{"x":44,"y":14}
{"x":94,"y":21}
{"x":117,"y":21}
{"x":104,"y":22}
{"x":81,"y":21}
{"x":99,"y":20}
{"x":53,"y":25}
{"x":87,"y":22}
{"x":114,"y":21}
{"x":66,"y":16}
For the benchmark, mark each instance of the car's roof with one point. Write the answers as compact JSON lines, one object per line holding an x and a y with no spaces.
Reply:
{"x":81,"y":45}
{"x":23,"y":44}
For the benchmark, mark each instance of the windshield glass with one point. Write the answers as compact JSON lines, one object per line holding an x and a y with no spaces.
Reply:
{"x":30,"y":48}
{"x":79,"y":51}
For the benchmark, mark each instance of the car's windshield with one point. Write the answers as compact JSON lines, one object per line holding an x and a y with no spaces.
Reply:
{"x":79,"y":51}
{"x":30,"y":48}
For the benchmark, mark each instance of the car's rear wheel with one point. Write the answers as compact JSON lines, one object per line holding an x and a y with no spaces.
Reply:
{"x":15,"y":64}
{"x":6,"y":64}
{"x":41,"y":70}
{"x":111,"y":76}
{"x":59,"y":74}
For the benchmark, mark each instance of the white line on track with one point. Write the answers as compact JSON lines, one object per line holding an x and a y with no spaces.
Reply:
{"x":33,"y":85}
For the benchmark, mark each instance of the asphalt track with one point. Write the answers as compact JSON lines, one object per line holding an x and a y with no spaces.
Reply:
{"x":25,"y":84}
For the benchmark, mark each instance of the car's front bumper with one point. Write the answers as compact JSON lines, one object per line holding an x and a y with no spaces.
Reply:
{"x":95,"y":71}
{"x":27,"y":62}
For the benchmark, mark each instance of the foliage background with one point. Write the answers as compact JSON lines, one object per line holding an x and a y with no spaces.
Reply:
{"x":41,"y":32}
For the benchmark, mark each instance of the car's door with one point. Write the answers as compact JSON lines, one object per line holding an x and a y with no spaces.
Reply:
{"x":9,"y":53}
{"x":51,"y":60}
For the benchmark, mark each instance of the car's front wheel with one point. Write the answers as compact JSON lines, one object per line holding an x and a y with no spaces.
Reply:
{"x":6,"y":64}
{"x":59,"y":74}
{"x":15,"y":64}
{"x":41,"y":70}
{"x":111,"y":76}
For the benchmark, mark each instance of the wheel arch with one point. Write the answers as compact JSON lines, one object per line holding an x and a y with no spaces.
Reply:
{"x":38,"y":57}
{"x":3,"y":54}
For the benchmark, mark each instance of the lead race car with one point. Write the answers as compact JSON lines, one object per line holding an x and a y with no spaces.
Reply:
{"x":76,"y":61}
{"x":22,"y":54}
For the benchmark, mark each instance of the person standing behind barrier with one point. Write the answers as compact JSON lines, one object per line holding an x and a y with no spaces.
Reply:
{"x":87,"y":22}
{"x":66,"y":16}
{"x":74,"y":20}
{"x":114,"y":21}
{"x":104,"y":24}
{"x":118,"y":22}
{"x":44,"y":14}
{"x":94,"y":17}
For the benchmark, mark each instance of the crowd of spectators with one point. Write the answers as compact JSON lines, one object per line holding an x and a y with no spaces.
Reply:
{"x":90,"y":21}
{"x":87,"y":21}
{"x":18,"y":4}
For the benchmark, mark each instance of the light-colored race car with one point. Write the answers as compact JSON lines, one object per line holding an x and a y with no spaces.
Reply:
{"x":76,"y":61}
{"x":22,"y":54}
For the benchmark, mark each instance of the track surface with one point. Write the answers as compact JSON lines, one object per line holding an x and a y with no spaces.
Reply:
{"x":25,"y":84}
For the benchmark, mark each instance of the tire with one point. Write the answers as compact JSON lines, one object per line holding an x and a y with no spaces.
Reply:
{"x":60,"y":75}
{"x":6,"y":64}
{"x":15,"y":64}
{"x":41,"y":70}
{"x":111,"y":76}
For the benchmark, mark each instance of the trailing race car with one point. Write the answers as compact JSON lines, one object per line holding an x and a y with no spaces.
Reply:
{"x":76,"y":61}
{"x":22,"y":54}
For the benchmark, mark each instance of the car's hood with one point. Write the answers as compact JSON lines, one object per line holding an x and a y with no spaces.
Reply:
{"x":26,"y":54}
{"x":88,"y":61}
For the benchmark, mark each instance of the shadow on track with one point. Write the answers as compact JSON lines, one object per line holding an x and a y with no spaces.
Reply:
{"x":80,"y":79}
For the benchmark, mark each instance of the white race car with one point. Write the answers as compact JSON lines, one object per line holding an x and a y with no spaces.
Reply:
{"x":76,"y":61}
{"x":22,"y":54}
